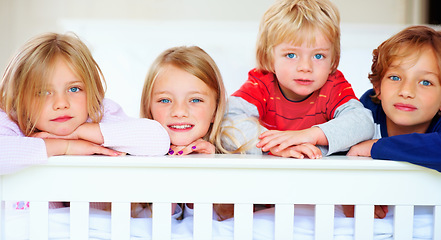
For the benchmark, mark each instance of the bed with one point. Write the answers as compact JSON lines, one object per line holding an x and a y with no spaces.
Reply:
{"x":307,"y":195}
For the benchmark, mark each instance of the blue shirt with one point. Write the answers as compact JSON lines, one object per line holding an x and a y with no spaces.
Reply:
{"x":418,"y":148}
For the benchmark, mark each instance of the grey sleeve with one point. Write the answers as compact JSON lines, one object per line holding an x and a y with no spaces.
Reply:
{"x":241,"y":126}
{"x":352,"y":123}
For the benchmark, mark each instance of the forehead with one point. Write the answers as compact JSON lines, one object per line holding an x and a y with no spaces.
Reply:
{"x":176,"y":80}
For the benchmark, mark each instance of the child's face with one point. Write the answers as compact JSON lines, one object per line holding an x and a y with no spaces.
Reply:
{"x":410,"y":93}
{"x":65,"y":104}
{"x":301,"y":70}
{"x":183,"y":104}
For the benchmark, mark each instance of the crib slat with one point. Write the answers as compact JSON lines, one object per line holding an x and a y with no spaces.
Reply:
{"x":243,"y":221}
{"x":324,"y":221}
{"x":284,"y":221}
{"x":403,"y":222}
{"x":2,"y":216}
{"x":437,"y":222}
{"x":79,"y":220}
{"x":120,"y":220}
{"x":364,"y":222}
{"x":202,"y":222}
{"x":161,"y":221}
{"x":39,"y":223}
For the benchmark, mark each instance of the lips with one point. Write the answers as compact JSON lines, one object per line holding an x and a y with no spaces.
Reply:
{"x":405,"y":107}
{"x":180,"y":127}
{"x":303,"y":81}
{"x":62,"y":119}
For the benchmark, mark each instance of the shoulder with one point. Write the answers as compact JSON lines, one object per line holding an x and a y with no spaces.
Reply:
{"x":367,"y":100}
{"x":112,"y":111}
{"x":260,"y":76}
{"x":337,"y":77}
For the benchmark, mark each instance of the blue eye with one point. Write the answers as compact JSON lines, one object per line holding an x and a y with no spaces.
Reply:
{"x":291,"y":55}
{"x":196,"y":100}
{"x":425,"y":83}
{"x":164,"y":101}
{"x":395,"y":78}
{"x":319,"y":56}
{"x":74,"y":89}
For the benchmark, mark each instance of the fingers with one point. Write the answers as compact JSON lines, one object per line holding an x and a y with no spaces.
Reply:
{"x":381,"y":211}
{"x":82,"y":147}
{"x":348,"y":210}
{"x":299,"y":151}
{"x":198,"y":146}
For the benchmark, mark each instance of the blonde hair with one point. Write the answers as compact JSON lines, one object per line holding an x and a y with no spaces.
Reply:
{"x":297,"y":21}
{"x":28,"y":72}
{"x":197,"y":62}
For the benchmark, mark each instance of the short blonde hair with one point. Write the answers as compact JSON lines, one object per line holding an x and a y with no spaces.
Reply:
{"x":296,"y":21}
{"x":197,"y":62}
{"x":28,"y":72}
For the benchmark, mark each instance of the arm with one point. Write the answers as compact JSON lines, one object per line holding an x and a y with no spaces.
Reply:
{"x":241,"y":127}
{"x":132,"y":135}
{"x":417,"y":148}
{"x":352,"y":123}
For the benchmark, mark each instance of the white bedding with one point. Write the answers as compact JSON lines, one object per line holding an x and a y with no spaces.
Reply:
{"x":17,"y":225}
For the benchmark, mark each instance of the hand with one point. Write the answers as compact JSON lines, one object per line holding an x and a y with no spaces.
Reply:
{"x":76,"y":147}
{"x":300,"y":151}
{"x":362,"y":149}
{"x":380,"y":211}
{"x":284,"y":139}
{"x":198,"y":146}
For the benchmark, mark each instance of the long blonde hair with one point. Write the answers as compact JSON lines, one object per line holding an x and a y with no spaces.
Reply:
{"x":28,"y":72}
{"x":197,"y":62}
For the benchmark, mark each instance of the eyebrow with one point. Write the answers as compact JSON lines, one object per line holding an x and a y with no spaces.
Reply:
{"x":190,"y":93}
{"x":398,"y":67}
{"x":314,"y":49}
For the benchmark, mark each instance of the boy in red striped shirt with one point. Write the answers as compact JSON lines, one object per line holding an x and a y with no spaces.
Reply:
{"x":296,"y":91}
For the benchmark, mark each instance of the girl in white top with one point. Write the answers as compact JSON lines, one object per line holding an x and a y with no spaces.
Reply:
{"x":184,"y":91}
{"x":52,"y":103}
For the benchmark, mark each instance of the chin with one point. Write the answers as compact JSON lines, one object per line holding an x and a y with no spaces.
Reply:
{"x":182,"y":142}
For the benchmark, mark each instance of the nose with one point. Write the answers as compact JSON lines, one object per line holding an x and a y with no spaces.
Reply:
{"x":179,"y":109}
{"x":407,"y":89}
{"x":60,"y":101}
{"x":304,"y":65}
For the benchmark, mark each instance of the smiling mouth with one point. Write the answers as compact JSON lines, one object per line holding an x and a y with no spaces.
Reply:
{"x":181,"y":126}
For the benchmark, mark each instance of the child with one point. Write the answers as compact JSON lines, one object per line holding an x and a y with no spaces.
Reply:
{"x":296,"y":91}
{"x":184,"y":92}
{"x":406,"y":99}
{"x":52,"y":103}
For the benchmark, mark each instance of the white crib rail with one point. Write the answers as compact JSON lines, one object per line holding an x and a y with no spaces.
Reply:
{"x":239,"y":179}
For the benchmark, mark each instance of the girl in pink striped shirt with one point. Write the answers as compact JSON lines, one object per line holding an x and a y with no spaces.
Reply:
{"x":52,"y":103}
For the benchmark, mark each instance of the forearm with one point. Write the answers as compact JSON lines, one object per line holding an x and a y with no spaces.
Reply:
{"x":55,"y":147}
{"x":352,"y":124}
{"x":416,"y":148}
{"x":90,"y":132}
{"x":20,"y":152}
{"x":136,"y":137}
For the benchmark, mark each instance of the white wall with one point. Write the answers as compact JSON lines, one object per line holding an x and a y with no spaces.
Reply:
{"x":126,"y":35}
{"x":22,"y":19}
